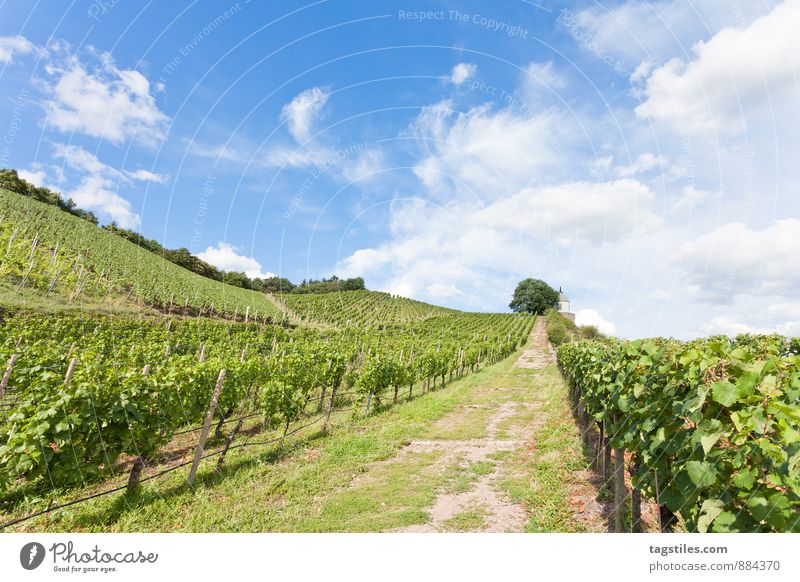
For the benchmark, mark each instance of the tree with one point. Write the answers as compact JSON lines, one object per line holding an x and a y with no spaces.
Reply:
{"x":533,"y":296}
{"x":277,"y":285}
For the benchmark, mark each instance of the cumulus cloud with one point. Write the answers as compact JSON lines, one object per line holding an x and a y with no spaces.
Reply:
{"x":443,"y":290}
{"x":36,"y":176}
{"x":96,"y":193}
{"x":590,"y":211}
{"x":726,"y":325}
{"x":84,"y":161}
{"x":629,"y":33}
{"x":462,"y":248}
{"x":302,"y":111}
{"x":462,"y":72}
{"x":224,"y":256}
{"x":738,"y":73}
{"x":14,"y":45}
{"x":99,"y":184}
{"x":642,"y":164}
{"x":491,"y":153}
{"x":538,"y":75}
{"x":147,"y":176}
{"x":592,"y":317}
{"x":103,"y":101}
{"x":735,"y":259}
{"x":689,"y":198}
{"x":363,"y":166}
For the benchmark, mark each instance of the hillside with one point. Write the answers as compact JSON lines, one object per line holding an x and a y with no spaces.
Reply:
{"x":358,"y":308}
{"x":50,"y":253}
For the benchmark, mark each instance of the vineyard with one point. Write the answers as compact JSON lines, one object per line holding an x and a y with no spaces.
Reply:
{"x":708,"y":429}
{"x":711,"y":426}
{"x":81,"y":395}
{"x":358,"y":308}
{"x":52,"y":253}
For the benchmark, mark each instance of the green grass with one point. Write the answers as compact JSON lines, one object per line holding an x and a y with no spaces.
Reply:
{"x":482,"y":467}
{"x":464,"y":521}
{"x":541,"y":478}
{"x":470,"y":424}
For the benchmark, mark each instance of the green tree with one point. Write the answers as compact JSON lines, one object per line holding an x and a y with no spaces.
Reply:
{"x":533,"y":296}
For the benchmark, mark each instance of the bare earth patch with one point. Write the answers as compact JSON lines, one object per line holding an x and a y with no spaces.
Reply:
{"x":499,"y":514}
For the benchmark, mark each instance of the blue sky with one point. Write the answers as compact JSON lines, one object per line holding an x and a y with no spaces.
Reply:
{"x":640,"y":154}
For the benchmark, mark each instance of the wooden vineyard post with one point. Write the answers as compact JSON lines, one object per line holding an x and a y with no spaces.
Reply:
{"x":369,"y":403}
{"x":7,"y":375}
{"x":636,"y":503}
{"x":53,"y":283}
{"x":598,"y":457}
{"x":619,"y":489}
{"x":25,"y":278}
{"x":330,"y":407}
{"x":606,"y":457}
{"x":138,"y":463}
{"x":212,"y":406}
{"x":666,"y":519}
{"x":70,"y":371}
{"x":579,"y":414}
{"x":321,"y":403}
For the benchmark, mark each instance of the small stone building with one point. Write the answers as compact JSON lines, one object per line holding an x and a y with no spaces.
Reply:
{"x":563,"y":305}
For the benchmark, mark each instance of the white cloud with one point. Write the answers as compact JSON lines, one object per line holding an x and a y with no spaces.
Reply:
{"x":443,"y":290}
{"x":84,"y":161}
{"x":303,"y":111}
{"x":104,"y":101}
{"x":543,"y":75}
{"x":642,"y":164}
{"x":725,"y":325}
{"x":595,"y":212}
{"x":484,"y":152}
{"x":365,"y":166}
{"x":631,"y":32}
{"x":95,"y":193}
{"x":99,"y":184}
{"x":462,"y":250}
{"x":79,"y":159}
{"x":661,"y":295}
{"x":690,"y":197}
{"x":224,"y":256}
{"x":600,"y":167}
{"x":462,"y":72}
{"x":592,"y":317}
{"x":147,"y":176}
{"x":735,"y":259}
{"x":739,"y":73}
{"x":14,"y":45}
{"x":37,"y":177}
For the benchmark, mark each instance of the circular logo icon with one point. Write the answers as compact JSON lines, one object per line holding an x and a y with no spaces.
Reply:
{"x":31,"y":555}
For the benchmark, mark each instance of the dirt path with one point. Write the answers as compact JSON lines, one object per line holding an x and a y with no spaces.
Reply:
{"x":539,"y":353}
{"x":480,"y":505}
{"x":504,"y":455}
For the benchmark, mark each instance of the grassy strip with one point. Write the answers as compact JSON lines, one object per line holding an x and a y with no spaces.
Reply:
{"x":542,"y":475}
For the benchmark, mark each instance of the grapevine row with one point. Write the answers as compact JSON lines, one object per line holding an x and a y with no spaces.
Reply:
{"x":712,"y":425}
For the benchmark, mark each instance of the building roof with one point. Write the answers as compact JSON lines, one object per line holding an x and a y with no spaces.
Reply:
{"x":562,"y":296}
